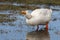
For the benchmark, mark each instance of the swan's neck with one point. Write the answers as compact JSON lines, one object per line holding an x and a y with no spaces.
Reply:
{"x":28,"y":16}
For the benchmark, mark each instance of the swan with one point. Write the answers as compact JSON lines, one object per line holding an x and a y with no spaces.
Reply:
{"x":38,"y":17}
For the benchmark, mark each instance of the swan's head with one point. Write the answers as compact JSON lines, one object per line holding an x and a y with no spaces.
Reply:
{"x":24,"y":12}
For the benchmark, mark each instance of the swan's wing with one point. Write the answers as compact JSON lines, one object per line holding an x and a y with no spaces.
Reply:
{"x":35,"y":12}
{"x":49,"y":12}
{"x":46,"y":11}
{"x":42,"y":11}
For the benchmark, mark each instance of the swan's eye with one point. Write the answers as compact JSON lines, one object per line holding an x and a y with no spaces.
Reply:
{"x":23,"y":12}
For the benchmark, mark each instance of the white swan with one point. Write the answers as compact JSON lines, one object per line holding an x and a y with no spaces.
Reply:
{"x":38,"y":17}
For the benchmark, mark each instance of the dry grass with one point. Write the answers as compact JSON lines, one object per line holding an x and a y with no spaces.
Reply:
{"x":9,"y":7}
{"x":12,"y":7}
{"x":33,"y":1}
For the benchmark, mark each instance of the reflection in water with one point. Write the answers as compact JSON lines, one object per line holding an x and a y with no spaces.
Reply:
{"x":39,"y":35}
{"x":58,"y":32}
{"x":13,"y":26}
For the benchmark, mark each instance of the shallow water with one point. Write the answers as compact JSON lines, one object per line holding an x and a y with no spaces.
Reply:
{"x":16,"y":28}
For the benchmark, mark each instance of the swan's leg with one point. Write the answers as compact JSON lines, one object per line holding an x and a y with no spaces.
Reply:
{"x":47,"y":26}
{"x":37,"y":27}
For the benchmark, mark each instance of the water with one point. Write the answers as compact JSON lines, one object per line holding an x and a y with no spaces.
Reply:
{"x":14,"y":27}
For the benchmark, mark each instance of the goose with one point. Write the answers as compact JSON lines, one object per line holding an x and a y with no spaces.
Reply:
{"x":38,"y":17}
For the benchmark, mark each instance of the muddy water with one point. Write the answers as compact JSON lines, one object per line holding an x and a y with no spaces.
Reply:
{"x":14,"y":27}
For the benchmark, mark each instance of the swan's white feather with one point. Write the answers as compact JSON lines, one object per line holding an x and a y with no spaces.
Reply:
{"x":39,"y":16}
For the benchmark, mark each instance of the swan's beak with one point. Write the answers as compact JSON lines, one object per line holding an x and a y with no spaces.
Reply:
{"x":23,"y":12}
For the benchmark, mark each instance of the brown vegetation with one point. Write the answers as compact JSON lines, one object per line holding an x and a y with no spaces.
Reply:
{"x":33,"y":1}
